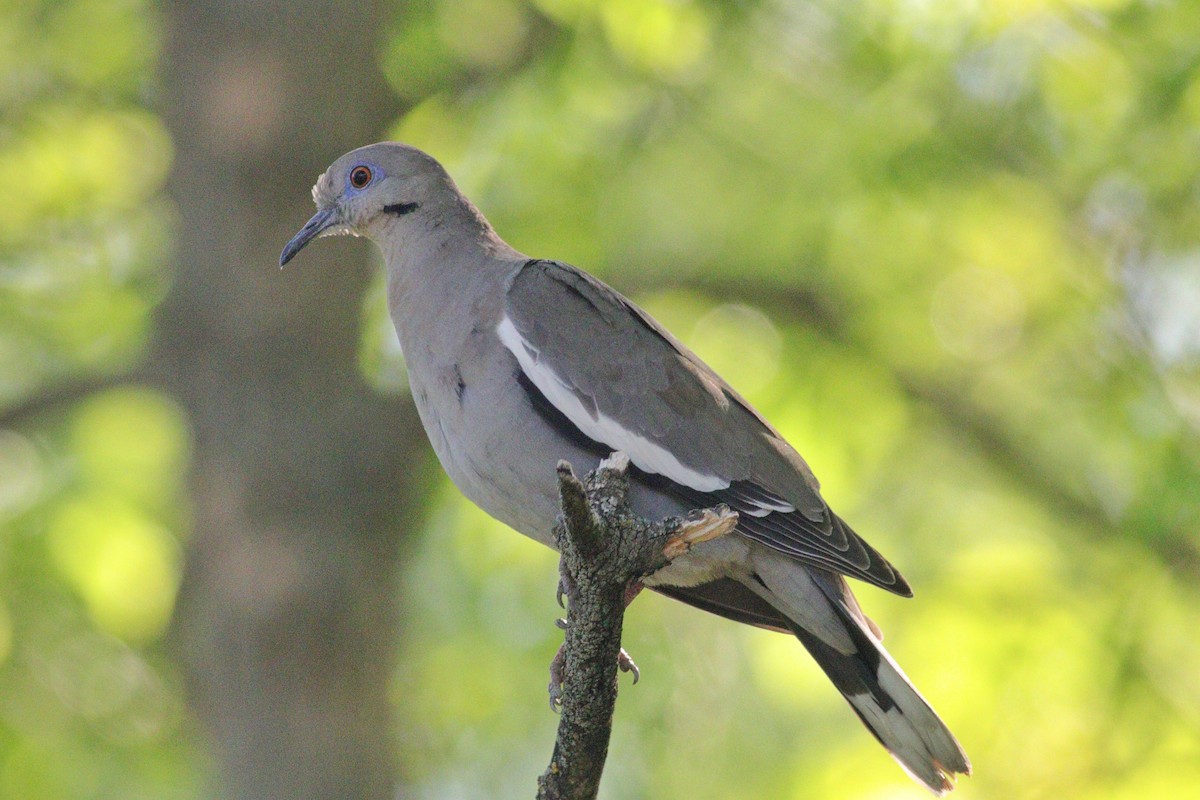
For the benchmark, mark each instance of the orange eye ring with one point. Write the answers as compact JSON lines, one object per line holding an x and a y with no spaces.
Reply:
{"x":360,"y":176}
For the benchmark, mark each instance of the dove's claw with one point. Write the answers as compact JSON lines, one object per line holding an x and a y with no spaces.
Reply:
{"x":556,"y":680}
{"x":626,"y":664}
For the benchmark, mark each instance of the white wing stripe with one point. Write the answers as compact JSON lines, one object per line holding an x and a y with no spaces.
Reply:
{"x":645,"y":454}
{"x":762,"y":508}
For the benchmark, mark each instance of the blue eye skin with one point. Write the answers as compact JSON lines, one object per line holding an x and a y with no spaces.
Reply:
{"x":360,"y":176}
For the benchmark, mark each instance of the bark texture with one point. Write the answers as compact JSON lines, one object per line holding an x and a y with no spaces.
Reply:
{"x":605,"y":550}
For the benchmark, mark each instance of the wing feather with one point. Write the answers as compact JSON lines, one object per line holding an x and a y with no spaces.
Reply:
{"x":603,"y":370}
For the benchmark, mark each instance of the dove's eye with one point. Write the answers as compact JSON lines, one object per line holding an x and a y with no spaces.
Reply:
{"x":360,"y":176}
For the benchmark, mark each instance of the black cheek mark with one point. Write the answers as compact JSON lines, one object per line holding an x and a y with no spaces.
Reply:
{"x":400,"y":209}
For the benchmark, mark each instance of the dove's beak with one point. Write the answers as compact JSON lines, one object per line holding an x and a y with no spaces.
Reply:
{"x":322,"y":221}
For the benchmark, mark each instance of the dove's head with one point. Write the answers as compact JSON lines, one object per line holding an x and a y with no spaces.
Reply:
{"x":379,"y":190}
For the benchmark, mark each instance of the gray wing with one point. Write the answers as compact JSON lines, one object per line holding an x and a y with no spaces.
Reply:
{"x":601,"y":368}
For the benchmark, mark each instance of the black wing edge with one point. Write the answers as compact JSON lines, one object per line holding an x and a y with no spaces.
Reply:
{"x":727,"y":598}
{"x":833,"y":545}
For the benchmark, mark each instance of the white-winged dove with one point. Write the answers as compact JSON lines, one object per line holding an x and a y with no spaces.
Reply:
{"x":516,"y":363}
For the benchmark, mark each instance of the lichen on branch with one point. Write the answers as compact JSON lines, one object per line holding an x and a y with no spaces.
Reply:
{"x":606,"y":550}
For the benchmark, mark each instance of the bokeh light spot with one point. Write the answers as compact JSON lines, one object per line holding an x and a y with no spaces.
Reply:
{"x":665,"y":37}
{"x":977,"y":314}
{"x":123,"y":564}
{"x":21,"y":473}
{"x":741,"y":344}
{"x":134,"y":441}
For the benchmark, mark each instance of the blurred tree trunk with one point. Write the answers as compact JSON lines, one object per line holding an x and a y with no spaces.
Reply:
{"x":287,"y":620}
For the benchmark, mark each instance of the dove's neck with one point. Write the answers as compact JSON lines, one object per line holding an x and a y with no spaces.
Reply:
{"x":446,"y":274}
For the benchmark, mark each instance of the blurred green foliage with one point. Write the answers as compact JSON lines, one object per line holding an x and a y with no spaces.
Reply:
{"x":948,"y":248}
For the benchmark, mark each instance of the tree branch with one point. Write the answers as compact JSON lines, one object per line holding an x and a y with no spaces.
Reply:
{"x":57,"y":395}
{"x":605,"y":550}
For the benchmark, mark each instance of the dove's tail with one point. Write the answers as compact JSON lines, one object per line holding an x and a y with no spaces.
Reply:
{"x":885,"y":700}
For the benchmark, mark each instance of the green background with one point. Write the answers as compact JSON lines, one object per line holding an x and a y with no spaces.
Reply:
{"x":948,"y":248}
